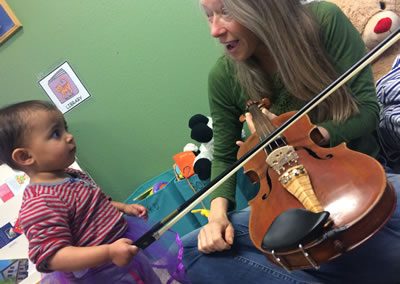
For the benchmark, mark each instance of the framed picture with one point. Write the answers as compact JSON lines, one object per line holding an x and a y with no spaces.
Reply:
{"x":9,"y":23}
{"x":64,"y":88}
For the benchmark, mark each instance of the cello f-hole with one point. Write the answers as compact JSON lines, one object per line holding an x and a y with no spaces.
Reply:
{"x":316,"y":156}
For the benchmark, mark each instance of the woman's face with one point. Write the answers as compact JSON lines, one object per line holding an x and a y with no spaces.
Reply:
{"x":239,"y":42}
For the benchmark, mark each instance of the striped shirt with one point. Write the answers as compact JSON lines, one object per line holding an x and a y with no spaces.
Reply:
{"x":73,"y":212}
{"x":388,"y":92}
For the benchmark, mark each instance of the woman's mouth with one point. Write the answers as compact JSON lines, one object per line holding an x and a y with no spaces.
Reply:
{"x":231,"y":45}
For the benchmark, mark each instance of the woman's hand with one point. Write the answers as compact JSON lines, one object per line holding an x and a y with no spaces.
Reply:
{"x":218,"y":234}
{"x":320,"y":135}
{"x":323,"y":135}
{"x":249,"y":118}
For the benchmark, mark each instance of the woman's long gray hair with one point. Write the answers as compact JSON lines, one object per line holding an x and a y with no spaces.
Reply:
{"x":292,"y":37}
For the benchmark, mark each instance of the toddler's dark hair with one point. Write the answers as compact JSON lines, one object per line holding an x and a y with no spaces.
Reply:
{"x":14,"y":125}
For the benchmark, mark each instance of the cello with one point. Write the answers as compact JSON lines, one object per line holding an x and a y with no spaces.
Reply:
{"x":314,"y":203}
{"x":167,"y":222}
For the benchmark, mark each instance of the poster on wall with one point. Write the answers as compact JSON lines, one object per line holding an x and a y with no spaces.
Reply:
{"x":64,"y":88}
{"x":9,"y":23}
{"x":14,"y":264}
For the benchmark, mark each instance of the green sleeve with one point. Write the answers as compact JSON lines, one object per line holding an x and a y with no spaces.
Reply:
{"x":225,"y":99}
{"x":345,"y":46}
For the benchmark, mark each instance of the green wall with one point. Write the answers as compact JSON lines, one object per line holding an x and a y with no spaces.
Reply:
{"x":145,"y":64}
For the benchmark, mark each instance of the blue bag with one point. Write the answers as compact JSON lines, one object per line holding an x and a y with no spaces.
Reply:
{"x":245,"y":190}
{"x":174,"y":191}
{"x":163,"y":202}
{"x":189,"y":186}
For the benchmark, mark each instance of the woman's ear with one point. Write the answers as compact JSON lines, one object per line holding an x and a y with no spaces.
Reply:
{"x":22,"y":157}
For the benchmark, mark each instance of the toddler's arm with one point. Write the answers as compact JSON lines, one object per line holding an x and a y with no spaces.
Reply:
{"x":131,"y":209}
{"x":72,"y":258}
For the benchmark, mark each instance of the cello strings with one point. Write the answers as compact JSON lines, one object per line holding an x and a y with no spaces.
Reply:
{"x":264,"y":127}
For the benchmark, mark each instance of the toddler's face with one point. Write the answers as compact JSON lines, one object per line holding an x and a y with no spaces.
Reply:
{"x":49,"y":141}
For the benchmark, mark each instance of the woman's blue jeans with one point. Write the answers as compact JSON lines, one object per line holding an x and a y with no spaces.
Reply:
{"x":375,"y":261}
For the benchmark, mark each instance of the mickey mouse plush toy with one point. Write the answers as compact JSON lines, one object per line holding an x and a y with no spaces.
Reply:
{"x":201,"y":131}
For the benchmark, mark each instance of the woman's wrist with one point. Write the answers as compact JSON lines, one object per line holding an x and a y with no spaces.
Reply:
{"x":218,"y":209}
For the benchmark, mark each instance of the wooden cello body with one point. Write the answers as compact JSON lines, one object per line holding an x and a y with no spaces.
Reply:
{"x":350,"y":189}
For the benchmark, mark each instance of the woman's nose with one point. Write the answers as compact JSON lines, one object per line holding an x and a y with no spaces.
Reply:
{"x":217,"y":27}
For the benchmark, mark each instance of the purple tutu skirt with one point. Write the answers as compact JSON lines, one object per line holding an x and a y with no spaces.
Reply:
{"x":159,"y":263}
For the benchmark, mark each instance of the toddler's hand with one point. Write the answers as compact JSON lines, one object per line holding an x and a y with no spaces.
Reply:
{"x":135,"y":210}
{"x":121,"y":251}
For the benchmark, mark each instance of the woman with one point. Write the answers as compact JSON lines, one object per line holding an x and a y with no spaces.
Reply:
{"x":288,"y":52}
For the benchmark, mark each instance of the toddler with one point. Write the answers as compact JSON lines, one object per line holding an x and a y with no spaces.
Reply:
{"x":71,"y":225}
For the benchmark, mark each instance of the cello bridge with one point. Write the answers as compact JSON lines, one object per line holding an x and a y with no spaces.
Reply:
{"x":285,"y":155}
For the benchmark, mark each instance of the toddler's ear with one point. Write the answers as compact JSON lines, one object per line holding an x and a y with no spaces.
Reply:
{"x":22,"y":157}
